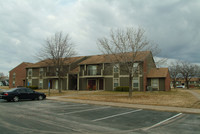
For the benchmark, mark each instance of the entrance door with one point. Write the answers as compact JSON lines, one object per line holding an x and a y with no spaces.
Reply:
{"x":92,"y":84}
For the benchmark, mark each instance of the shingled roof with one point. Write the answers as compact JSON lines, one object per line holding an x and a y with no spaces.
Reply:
{"x":158,"y":73}
{"x":49,"y":62}
{"x":97,"y":59}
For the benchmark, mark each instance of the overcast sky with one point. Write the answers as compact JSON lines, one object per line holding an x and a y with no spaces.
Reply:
{"x":24,"y":25}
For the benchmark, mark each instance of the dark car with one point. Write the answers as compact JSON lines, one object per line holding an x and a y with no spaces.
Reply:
{"x":22,"y":93}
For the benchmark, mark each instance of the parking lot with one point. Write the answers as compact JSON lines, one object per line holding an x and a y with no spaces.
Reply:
{"x":55,"y":117}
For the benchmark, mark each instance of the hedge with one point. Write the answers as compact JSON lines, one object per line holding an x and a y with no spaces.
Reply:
{"x":32,"y":87}
{"x":122,"y":89}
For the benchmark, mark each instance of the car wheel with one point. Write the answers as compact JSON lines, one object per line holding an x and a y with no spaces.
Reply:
{"x":16,"y":99}
{"x":40,"y":97}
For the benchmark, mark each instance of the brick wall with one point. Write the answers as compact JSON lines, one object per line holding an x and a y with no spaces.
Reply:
{"x":167,"y":82}
{"x":20,"y":75}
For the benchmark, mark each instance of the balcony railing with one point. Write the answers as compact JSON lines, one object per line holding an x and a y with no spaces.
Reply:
{"x":51,"y":74}
{"x":92,"y":72}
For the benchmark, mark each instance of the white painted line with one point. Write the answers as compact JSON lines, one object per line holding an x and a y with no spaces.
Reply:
{"x":74,"y":105}
{"x":159,"y":123}
{"x":116,"y":115}
{"x":79,"y":111}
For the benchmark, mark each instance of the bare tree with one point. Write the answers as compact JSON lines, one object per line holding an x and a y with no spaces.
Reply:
{"x":188,"y":71}
{"x":174,"y":70}
{"x":125,"y":45}
{"x":57,"y":50}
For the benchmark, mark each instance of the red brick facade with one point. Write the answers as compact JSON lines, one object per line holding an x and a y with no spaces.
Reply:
{"x":18,"y":75}
{"x":167,"y":82}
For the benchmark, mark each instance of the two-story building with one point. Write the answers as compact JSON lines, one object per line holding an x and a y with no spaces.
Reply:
{"x":17,"y":76}
{"x":44,"y":75}
{"x":99,"y":73}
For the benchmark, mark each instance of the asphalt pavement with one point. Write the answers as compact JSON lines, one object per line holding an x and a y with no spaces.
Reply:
{"x":58,"y":117}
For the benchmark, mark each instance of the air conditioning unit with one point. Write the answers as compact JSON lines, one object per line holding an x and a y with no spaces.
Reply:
{"x":149,"y":88}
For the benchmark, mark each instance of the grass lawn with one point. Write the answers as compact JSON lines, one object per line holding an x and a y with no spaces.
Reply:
{"x":177,"y":97}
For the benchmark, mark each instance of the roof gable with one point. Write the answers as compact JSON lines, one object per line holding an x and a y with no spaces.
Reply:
{"x":158,"y":73}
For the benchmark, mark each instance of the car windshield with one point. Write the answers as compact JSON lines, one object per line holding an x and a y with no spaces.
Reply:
{"x":11,"y":90}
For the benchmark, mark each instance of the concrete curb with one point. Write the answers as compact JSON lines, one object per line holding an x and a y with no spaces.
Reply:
{"x":139,"y":106}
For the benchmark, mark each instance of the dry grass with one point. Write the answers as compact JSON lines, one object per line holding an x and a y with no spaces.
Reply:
{"x":179,"y":98}
{"x":176,"y":97}
{"x":4,"y":87}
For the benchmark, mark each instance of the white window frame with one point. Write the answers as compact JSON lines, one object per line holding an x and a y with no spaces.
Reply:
{"x":136,"y":78}
{"x":92,"y":68}
{"x":153,"y":79}
{"x":135,"y":67}
{"x":117,"y":82}
{"x":31,"y":71}
{"x":41,"y":70}
{"x":41,"y":82}
{"x":116,"y":68}
{"x":13,"y":83}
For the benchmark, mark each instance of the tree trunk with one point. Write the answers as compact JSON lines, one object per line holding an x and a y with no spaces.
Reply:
{"x":187,"y":84}
{"x":59,"y":85}
{"x":130,"y":86}
{"x":174,"y":83}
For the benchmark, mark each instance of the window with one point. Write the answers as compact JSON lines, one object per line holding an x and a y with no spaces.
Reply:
{"x":135,"y":82}
{"x":14,"y":75}
{"x":22,"y":90}
{"x":13,"y":83}
{"x":29,"y":72}
{"x":41,"y":84}
{"x":116,"y":82}
{"x":41,"y":71}
{"x":135,"y":67}
{"x":154,"y":83}
{"x":92,"y":70}
{"x":29,"y":90}
{"x":116,"y":68}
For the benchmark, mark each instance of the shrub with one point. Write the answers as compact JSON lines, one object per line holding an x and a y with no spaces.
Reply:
{"x":122,"y":89}
{"x":32,"y":87}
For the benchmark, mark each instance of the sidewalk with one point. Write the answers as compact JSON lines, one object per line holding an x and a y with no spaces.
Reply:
{"x":197,"y":95}
{"x":149,"y":107}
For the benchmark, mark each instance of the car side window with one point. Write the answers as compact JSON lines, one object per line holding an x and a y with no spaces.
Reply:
{"x":21,"y":90}
{"x":29,"y":90}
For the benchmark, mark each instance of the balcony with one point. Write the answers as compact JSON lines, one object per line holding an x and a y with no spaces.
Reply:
{"x":51,"y":74}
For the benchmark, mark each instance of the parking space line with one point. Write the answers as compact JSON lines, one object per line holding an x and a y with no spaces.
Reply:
{"x":159,"y":123}
{"x":116,"y":115}
{"x":84,"y":110}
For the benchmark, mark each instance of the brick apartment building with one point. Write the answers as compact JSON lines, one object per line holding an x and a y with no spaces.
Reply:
{"x":98,"y":73}
{"x":17,"y":76}
{"x":92,"y":73}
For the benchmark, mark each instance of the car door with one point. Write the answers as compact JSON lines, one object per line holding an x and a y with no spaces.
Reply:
{"x":30,"y":93}
{"x":22,"y":93}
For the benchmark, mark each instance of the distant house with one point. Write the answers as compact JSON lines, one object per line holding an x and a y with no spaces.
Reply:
{"x":194,"y":82}
{"x":17,"y":76}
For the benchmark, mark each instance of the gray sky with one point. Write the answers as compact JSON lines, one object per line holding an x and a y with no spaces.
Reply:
{"x":25,"y":24}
